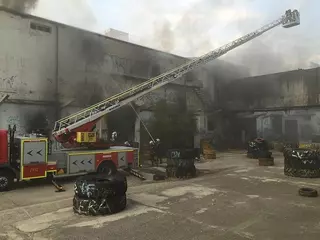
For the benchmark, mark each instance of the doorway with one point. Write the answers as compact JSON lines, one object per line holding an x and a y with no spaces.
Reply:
{"x":291,"y":130}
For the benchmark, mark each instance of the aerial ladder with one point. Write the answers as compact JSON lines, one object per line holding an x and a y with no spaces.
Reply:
{"x":66,"y":129}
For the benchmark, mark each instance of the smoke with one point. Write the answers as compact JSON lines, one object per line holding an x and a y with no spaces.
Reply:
{"x":163,"y":35}
{"x":77,"y":13}
{"x":20,"y":5}
{"x":191,"y":28}
{"x":37,"y":122}
{"x":93,"y":50}
{"x":206,"y":25}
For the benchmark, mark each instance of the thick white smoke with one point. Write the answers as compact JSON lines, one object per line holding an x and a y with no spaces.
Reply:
{"x":193,"y":27}
{"x":71,"y":12}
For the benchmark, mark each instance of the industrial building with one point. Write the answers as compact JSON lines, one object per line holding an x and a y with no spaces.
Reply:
{"x":49,"y":70}
{"x":279,"y":106}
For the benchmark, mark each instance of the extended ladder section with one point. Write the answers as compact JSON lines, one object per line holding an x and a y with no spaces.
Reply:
{"x":110,"y":104}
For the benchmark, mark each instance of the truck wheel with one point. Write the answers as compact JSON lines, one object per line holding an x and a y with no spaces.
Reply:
{"x":193,"y":171}
{"x":100,"y":186}
{"x":101,"y":206}
{"x":107,"y":167}
{"x":6,"y":180}
{"x":308,"y":192}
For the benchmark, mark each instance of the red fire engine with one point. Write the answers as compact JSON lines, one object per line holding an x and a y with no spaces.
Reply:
{"x":24,"y":158}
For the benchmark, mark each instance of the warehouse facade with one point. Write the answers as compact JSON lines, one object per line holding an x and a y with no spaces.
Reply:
{"x":53,"y":70}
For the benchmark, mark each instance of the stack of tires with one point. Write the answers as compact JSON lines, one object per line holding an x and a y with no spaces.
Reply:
{"x":100,"y":194}
{"x":288,"y":145}
{"x":180,"y":163}
{"x":259,"y":149}
{"x":299,"y":162}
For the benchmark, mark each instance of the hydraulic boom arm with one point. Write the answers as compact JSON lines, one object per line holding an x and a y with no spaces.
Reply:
{"x":92,"y":114}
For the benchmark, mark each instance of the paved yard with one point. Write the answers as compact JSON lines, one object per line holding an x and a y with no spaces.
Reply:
{"x":233,"y":198}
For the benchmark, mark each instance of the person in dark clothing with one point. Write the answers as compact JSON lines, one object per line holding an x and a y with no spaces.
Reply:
{"x":152,"y":151}
{"x":158,"y":151}
{"x":155,"y":151}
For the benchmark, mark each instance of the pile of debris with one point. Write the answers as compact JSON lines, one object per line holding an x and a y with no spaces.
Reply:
{"x":207,"y":150}
{"x":259,"y":149}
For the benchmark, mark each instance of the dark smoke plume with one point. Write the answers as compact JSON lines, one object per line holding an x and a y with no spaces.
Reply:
{"x":37,"y":123}
{"x":20,"y":5}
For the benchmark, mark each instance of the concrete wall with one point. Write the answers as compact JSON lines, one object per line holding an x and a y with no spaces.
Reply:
{"x":21,"y":115}
{"x":307,"y":125}
{"x":43,"y":63}
{"x":27,"y":60}
{"x":287,"y":89}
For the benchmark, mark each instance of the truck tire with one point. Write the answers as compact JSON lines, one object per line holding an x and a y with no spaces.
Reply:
{"x":302,"y":163}
{"x":6,"y":180}
{"x":107,"y":167}
{"x":193,"y":171}
{"x":100,"y":185}
{"x":302,"y":173}
{"x":120,"y":180}
{"x":308,"y":192}
{"x":249,"y":155}
{"x":103,"y":206}
{"x":266,"y":161}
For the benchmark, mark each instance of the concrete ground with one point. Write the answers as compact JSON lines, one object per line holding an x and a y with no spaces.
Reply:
{"x":233,"y":198}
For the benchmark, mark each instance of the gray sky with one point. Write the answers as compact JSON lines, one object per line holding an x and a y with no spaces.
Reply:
{"x":193,"y":27}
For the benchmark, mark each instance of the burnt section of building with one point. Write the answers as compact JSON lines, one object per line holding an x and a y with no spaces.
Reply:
{"x":59,"y":70}
{"x":282,"y":106}
{"x":286,"y":90}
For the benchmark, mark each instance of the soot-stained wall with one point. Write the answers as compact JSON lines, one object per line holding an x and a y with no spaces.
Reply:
{"x":279,"y":90}
{"x":44,"y":64}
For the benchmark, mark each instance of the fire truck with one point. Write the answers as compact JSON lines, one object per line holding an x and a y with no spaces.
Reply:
{"x":82,"y":152}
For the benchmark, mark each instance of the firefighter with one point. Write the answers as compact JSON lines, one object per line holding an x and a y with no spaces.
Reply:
{"x":158,"y":153}
{"x":155,"y":151}
{"x":152,"y":151}
{"x":114,"y":136}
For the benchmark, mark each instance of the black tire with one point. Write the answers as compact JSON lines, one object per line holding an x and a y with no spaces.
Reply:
{"x":171,"y":171}
{"x":6,"y":180}
{"x":193,"y":171}
{"x":100,"y":185}
{"x":308,"y":192}
{"x":249,"y":155}
{"x":113,"y":205}
{"x":302,"y":173}
{"x":120,"y":180}
{"x":266,"y":161}
{"x":103,"y":206}
{"x":180,"y":172}
{"x":107,"y":167}
{"x":302,"y":163}
{"x":265,"y":154}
